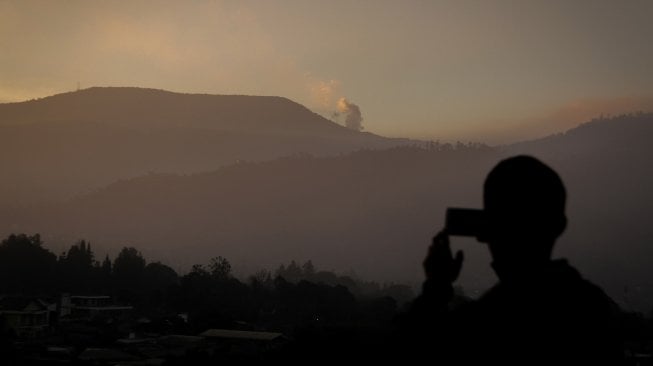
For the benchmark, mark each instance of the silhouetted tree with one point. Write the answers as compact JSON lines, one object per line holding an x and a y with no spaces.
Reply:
{"x":212,"y":296}
{"x":292,"y":273}
{"x":25,"y":266}
{"x":220,"y":268}
{"x":128,"y":269}
{"x":310,"y":303}
{"x":80,"y":254}
{"x":106,"y":266}
{"x":262,"y":277}
{"x":157,"y":277}
{"x":157,"y":283}
{"x":76,"y":271}
{"x":308,"y":269}
{"x":129,"y":264}
{"x":400,"y":293}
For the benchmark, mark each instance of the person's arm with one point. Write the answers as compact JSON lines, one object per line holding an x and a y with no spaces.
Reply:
{"x":441,"y":269}
{"x":424,"y":330}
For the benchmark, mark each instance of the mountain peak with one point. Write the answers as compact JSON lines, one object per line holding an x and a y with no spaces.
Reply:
{"x":91,"y":137}
{"x":154,"y":107}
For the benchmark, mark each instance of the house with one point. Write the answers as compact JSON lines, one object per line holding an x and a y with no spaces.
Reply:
{"x":25,"y":317}
{"x":105,"y":356}
{"x":240,"y":335}
{"x":91,"y":306}
{"x":239,"y":343}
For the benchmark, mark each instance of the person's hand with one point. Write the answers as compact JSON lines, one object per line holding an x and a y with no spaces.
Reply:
{"x":440,"y":266}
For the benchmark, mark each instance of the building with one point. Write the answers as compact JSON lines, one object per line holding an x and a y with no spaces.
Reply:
{"x":24,"y":317}
{"x":239,"y":343}
{"x":91,"y":307}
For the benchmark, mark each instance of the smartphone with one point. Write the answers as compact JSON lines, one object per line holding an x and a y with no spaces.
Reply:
{"x":464,"y":221}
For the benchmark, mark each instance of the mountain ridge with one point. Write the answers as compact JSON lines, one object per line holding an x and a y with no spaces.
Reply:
{"x":342,"y":198}
{"x":68,"y":144}
{"x":371,"y":210}
{"x":156,"y":107}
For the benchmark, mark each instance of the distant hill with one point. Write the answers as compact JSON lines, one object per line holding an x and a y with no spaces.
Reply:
{"x":606,"y":164}
{"x":68,"y":144}
{"x":152,"y":108}
{"x":374,"y":211}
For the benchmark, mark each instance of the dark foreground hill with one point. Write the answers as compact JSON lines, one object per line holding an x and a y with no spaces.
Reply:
{"x":374,"y":211}
{"x":69,"y":144}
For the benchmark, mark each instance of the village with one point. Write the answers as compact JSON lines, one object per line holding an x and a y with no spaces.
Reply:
{"x":130,"y":312}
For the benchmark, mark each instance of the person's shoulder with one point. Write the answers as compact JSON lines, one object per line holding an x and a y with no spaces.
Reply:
{"x":585,"y":292}
{"x":568,"y":275}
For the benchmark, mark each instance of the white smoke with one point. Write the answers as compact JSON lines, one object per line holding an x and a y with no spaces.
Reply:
{"x":352,"y":113}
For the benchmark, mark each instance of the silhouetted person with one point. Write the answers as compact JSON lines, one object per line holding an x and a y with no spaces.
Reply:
{"x":541,"y":311}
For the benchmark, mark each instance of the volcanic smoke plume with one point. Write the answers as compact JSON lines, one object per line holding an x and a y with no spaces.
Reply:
{"x":353,"y":117}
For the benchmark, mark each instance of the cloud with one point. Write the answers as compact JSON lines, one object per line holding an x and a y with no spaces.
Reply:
{"x":207,"y":47}
{"x":323,"y":93}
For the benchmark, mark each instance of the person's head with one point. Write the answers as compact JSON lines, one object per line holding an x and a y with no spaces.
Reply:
{"x":524,"y":201}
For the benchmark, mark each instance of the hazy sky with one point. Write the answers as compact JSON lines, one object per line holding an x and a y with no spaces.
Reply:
{"x":490,"y":71}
